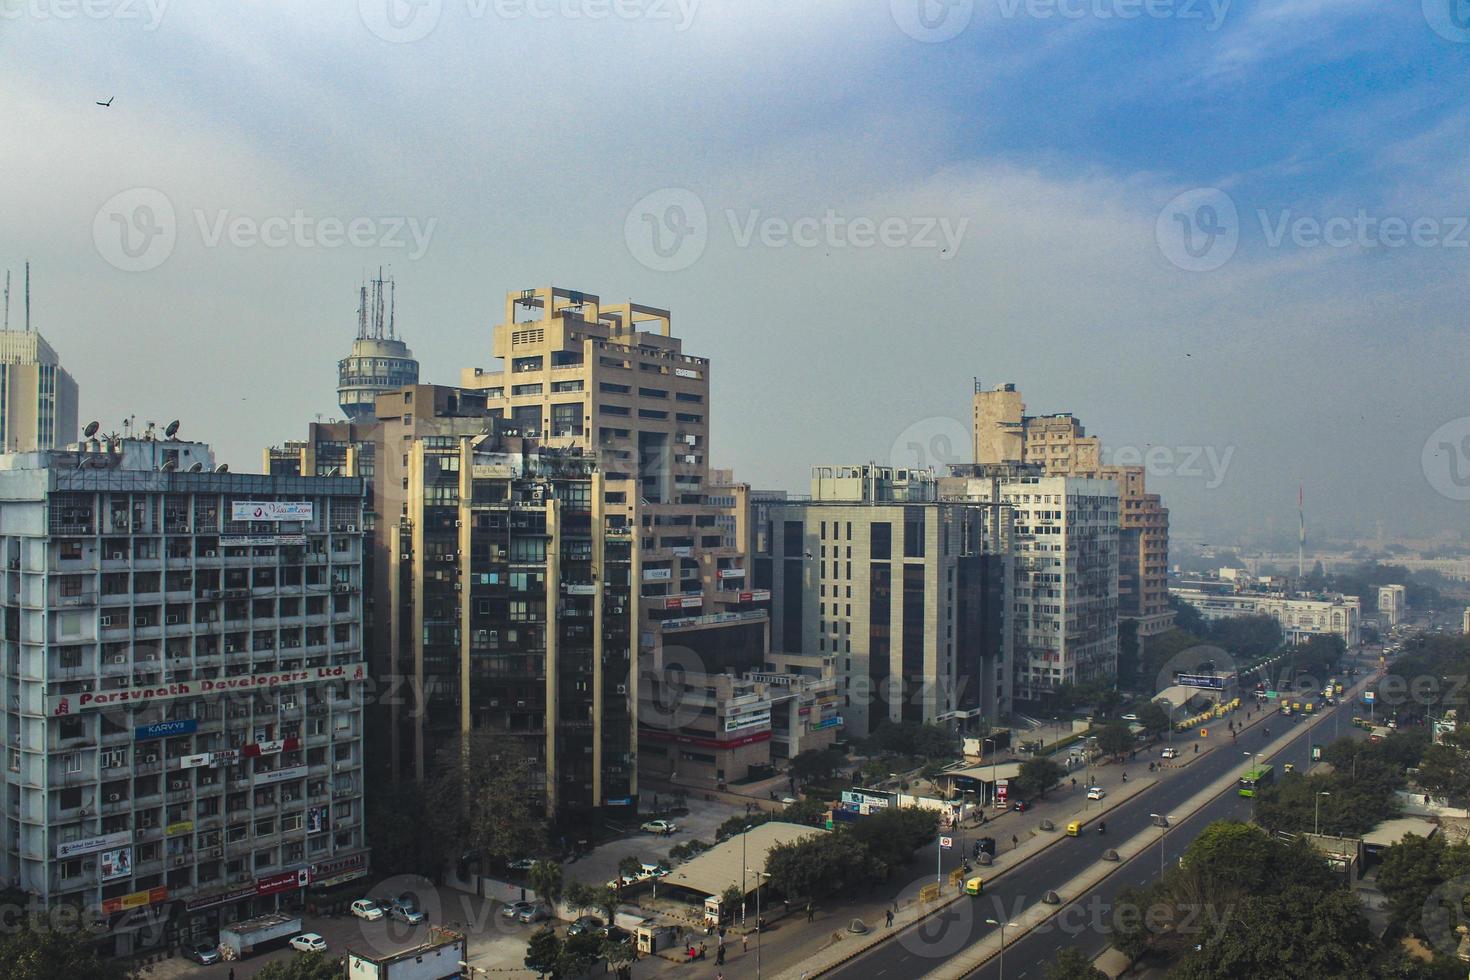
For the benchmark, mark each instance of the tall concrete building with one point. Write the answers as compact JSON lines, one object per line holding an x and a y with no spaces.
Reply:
{"x":379,"y":361}
{"x":907,"y":593}
{"x":1063,"y":611}
{"x":1392,"y":604}
{"x":504,"y":595}
{"x":38,"y":398}
{"x":183,"y":687}
{"x":1004,"y":435}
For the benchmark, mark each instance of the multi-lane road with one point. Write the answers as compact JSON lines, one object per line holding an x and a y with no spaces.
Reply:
{"x":929,"y":944}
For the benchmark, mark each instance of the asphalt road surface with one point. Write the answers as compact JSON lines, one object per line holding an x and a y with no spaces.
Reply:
{"x":925,"y":946}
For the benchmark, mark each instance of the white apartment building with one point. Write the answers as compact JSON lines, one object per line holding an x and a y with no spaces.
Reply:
{"x":1301,"y":617}
{"x":183,"y":684}
{"x":1063,"y":610}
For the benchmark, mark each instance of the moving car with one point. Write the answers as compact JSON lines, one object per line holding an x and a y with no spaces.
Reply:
{"x":309,"y":942}
{"x":975,"y":886}
{"x":1095,"y":793}
{"x":514,"y":909}
{"x":203,"y":953}
{"x":366,"y":908}
{"x":1169,"y":753}
{"x":534,"y":913}
{"x":664,"y":827}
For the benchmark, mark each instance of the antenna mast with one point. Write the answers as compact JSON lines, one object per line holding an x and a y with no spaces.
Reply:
{"x":1301,"y":534}
{"x":7,"y":299}
{"x":362,"y":311}
{"x":28,"y":296}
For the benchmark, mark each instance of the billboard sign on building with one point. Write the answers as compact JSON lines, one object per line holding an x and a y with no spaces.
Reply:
{"x":271,"y":510}
{"x":87,"y":845}
{"x":1204,"y":682}
{"x":284,"y":882}
{"x":165,"y":728}
{"x":748,"y":719}
{"x":280,"y":775}
{"x":115,"y":864}
{"x":64,"y":704}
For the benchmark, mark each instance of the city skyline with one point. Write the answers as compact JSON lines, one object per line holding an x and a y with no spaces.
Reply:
{"x":1060,"y":273}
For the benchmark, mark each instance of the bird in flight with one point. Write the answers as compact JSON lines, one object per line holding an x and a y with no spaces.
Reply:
{"x":108,"y":103}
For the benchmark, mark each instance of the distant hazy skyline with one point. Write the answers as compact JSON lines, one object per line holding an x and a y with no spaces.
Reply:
{"x":1231,"y":235}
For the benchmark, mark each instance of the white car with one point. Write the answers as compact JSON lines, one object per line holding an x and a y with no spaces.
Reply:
{"x":659,"y":827}
{"x":366,"y":908}
{"x":309,"y":942}
{"x":1130,"y":717}
{"x":1169,"y":753}
{"x":1095,"y":793}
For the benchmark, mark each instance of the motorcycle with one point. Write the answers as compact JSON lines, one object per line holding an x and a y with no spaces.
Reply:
{"x":1102,"y":827}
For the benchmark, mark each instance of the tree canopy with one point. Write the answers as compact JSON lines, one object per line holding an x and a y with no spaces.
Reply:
{"x":1036,"y":777}
{"x":31,"y":953}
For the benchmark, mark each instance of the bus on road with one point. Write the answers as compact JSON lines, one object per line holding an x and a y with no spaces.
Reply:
{"x":1254,"y":779}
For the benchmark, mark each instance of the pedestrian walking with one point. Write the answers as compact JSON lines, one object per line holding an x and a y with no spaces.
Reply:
{"x":745,"y":943}
{"x":811,"y":913}
{"x":889,"y":915}
{"x":1015,"y":842}
{"x":720,"y":956}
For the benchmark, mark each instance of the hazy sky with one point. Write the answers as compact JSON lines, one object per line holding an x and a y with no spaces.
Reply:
{"x":1233,"y":233}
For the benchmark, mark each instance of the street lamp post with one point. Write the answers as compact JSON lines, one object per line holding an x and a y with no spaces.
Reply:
{"x":758,"y":930}
{"x":743,"y":832}
{"x":1164,"y":819}
{"x":1316,"y":803}
{"x":1002,"y":927}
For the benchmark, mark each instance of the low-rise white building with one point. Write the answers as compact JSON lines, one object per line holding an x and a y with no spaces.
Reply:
{"x":1301,"y":617}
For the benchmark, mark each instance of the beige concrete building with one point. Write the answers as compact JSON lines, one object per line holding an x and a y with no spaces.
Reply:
{"x":905,"y":591}
{"x":1059,"y":444}
{"x":38,"y":399}
{"x":1063,"y":611}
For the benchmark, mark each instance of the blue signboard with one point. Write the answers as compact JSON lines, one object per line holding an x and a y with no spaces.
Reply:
{"x":166,"y":728}
{"x":1208,"y":682}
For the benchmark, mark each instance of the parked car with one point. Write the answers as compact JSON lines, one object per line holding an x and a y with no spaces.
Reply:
{"x":1169,"y":753}
{"x":514,"y":909}
{"x":653,"y":871}
{"x":521,"y":864}
{"x":405,"y":912}
{"x":203,"y":953}
{"x":534,"y":913}
{"x":366,"y":908}
{"x":664,"y":827}
{"x":1095,"y":793}
{"x":309,"y":942}
{"x":1130,"y":716}
{"x":587,"y":924}
{"x":615,"y":934}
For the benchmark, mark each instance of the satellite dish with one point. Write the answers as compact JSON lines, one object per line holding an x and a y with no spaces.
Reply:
{"x":196,"y":467}
{"x":172,"y":430}
{"x":91,"y":429}
{"x":169,"y":465}
{"x":222,"y":468}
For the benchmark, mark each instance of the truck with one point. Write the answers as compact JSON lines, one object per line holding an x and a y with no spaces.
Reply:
{"x":258,"y":935}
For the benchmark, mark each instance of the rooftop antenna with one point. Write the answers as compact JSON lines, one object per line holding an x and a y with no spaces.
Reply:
{"x":362,"y":310}
{"x":28,"y":296}
{"x":1301,"y":534}
{"x":392,"y":305}
{"x":7,"y":299}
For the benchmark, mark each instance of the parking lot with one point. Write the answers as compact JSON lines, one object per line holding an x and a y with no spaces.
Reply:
{"x":495,"y":943}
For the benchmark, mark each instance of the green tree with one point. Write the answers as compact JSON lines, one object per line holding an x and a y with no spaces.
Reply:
{"x":731,"y":900}
{"x":1444,"y":770}
{"x":49,"y":954}
{"x":892,"y":836}
{"x":822,"y":866}
{"x":1116,"y":739}
{"x":812,"y":813}
{"x":581,"y":896}
{"x":620,"y":957}
{"x":817,"y":764}
{"x":1153,"y":718}
{"x":578,"y":954}
{"x":307,"y":966}
{"x":1073,"y":964}
{"x":545,"y":879}
{"x":543,"y":951}
{"x":630,"y":867}
{"x":1412,"y":869}
{"x":488,"y":799}
{"x":1037,"y":776}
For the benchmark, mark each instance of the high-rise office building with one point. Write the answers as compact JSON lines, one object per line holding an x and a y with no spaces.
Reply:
{"x":379,"y":361}
{"x":1063,"y":601}
{"x":38,"y":398}
{"x":184,"y":685}
{"x":503,"y":595}
{"x":905,"y":592}
{"x":1005,"y":435}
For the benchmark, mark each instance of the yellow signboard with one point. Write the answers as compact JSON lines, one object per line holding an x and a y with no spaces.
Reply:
{"x":182,"y":827}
